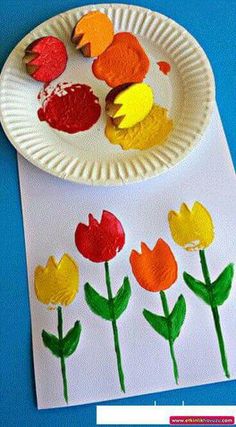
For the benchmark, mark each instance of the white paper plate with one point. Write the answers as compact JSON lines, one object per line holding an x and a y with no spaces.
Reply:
{"x":87,"y":157}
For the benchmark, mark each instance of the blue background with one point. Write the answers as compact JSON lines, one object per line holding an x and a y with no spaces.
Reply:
{"x":213,"y":24}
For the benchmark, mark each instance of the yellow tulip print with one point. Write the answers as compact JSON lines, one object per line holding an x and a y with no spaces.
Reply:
{"x":57,"y":284}
{"x":192,"y":229}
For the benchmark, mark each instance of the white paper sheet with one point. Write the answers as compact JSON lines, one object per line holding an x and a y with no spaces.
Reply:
{"x":52,"y":208}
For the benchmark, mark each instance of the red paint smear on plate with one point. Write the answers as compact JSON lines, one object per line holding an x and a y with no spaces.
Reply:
{"x":69,"y":108}
{"x":164,"y":67}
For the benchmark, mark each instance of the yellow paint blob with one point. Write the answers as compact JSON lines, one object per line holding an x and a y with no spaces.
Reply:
{"x":136,"y":103}
{"x":153,"y":130}
{"x":57,"y":283}
{"x":192,"y":229}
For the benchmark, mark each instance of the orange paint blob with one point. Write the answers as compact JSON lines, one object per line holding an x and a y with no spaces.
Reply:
{"x":164,"y":67}
{"x":93,"y":33}
{"x":155,"y":269}
{"x":124,"y":61}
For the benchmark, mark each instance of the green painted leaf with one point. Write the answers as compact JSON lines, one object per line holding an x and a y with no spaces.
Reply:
{"x":222,"y":285}
{"x":158,"y":323}
{"x":176,"y":317}
{"x":103,"y":307}
{"x":98,"y":304}
{"x":197,"y":287}
{"x":52,"y":342}
{"x":121,"y":300}
{"x":71,"y":340}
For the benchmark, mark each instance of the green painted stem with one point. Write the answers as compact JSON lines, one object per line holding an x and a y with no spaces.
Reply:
{"x":115,"y":329}
{"x":215,"y":313}
{"x":63,"y":365}
{"x":171,"y":342}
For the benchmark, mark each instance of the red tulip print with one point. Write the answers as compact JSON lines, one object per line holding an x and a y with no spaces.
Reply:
{"x":100,"y":242}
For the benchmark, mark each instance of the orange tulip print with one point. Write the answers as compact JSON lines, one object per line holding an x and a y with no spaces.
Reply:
{"x":156,"y":270}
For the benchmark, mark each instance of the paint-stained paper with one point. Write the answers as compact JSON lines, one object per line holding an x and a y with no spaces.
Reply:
{"x":52,"y":208}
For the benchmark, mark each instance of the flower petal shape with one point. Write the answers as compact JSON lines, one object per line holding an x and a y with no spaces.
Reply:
{"x":57,"y":283}
{"x":156,"y":269}
{"x":100,"y":242}
{"x":193,"y":229}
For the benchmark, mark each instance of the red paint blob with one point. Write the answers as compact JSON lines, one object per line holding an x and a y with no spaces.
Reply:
{"x":49,"y":58}
{"x":70,"y":108}
{"x":164,"y":67}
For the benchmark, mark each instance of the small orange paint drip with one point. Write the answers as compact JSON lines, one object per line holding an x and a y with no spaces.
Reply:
{"x":51,"y":308}
{"x":164,"y":67}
